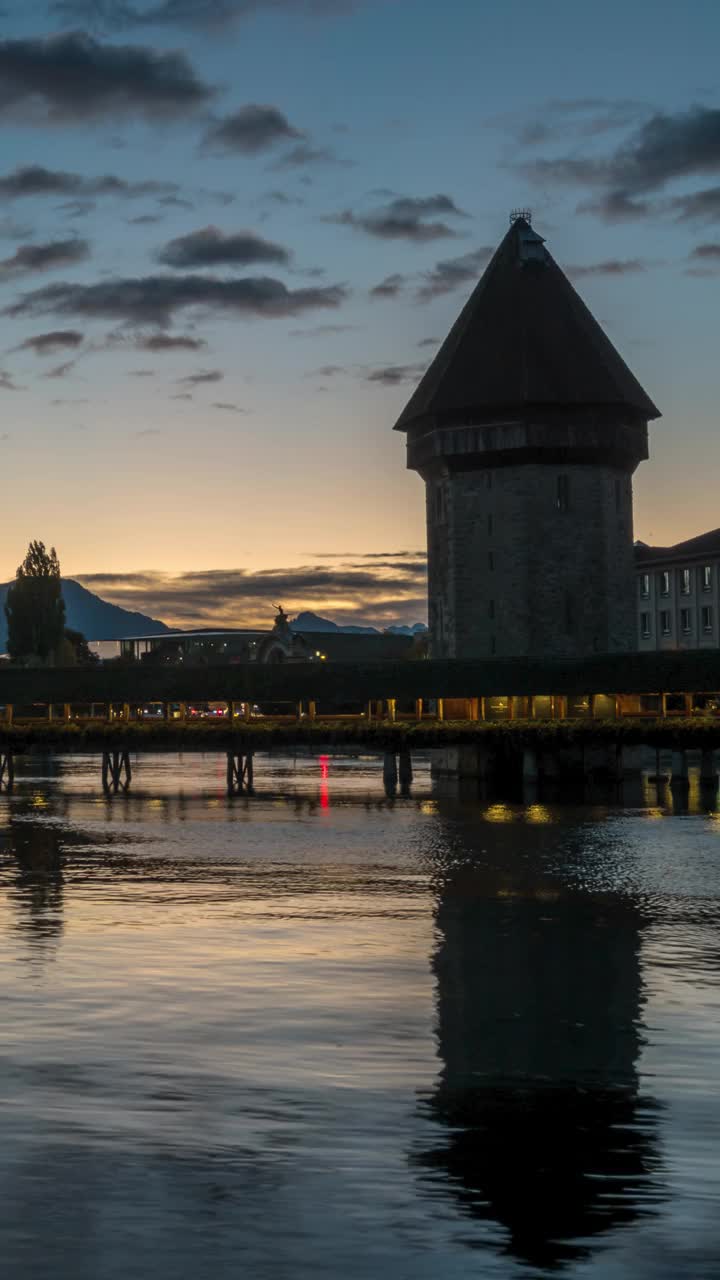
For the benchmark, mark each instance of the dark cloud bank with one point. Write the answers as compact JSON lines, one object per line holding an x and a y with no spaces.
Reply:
{"x":36,"y":180}
{"x":384,"y":588}
{"x":210,"y":247}
{"x":31,"y":258}
{"x":403,"y":218}
{"x":154,"y":300}
{"x":72,"y":78}
{"x":629,"y":182}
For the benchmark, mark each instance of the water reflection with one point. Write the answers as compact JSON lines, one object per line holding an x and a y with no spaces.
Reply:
{"x":32,"y":849}
{"x":541,"y":1125}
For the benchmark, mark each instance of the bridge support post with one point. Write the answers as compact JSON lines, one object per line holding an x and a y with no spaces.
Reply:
{"x":7,"y":769}
{"x":440,"y":702}
{"x":679,"y":769}
{"x":418,"y":708}
{"x":312,"y":710}
{"x":67,"y":713}
{"x":9,"y":713}
{"x":390,"y":774}
{"x":391,"y":709}
{"x":708,"y":768}
{"x":240,"y":773}
{"x":116,"y":771}
{"x":405,"y":773}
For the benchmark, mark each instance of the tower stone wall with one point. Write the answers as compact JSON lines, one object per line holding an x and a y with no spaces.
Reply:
{"x":530,"y":560}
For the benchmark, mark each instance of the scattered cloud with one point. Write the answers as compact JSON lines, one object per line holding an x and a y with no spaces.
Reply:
{"x":327,"y":371}
{"x":699,"y":206}
{"x":429,"y":342}
{"x":704,"y":260}
{"x":72,"y":77}
{"x":154,"y":300}
{"x":282,"y":197}
{"x":322,"y":330}
{"x":227,"y":407}
{"x":390,"y":287}
{"x":169,"y":342}
{"x":383,"y":589}
{"x":61,"y":370}
{"x":250,"y":130}
{"x":403,"y":218}
{"x":306,"y":154}
{"x":6,"y":382}
{"x":182,"y":395}
{"x":451,"y":273}
{"x":145,"y":220}
{"x":212,"y":16}
{"x":610,"y":267}
{"x":210,"y":247}
{"x":394,"y":375}
{"x":44,"y":257}
{"x":47,"y":344}
{"x":141,"y":373}
{"x":560,"y":118}
{"x":664,"y":148}
{"x":147,"y":431}
{"x":36,"y":180}
{"x":205,"y":375}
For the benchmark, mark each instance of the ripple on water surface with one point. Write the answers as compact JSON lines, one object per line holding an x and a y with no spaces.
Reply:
{"x":321,"y":1030}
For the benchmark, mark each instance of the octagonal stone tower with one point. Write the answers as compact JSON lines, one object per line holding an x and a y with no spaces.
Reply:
{"x":526,"y":429}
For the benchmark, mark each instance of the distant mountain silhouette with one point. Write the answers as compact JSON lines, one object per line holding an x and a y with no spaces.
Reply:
{"x":94,"y":617}
{"x":308,"y":621}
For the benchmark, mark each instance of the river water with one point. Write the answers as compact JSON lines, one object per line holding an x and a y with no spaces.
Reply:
{"x":324,"y":1032}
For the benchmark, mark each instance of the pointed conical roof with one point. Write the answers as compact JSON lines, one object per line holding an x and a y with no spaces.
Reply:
{"x":524,"y":341}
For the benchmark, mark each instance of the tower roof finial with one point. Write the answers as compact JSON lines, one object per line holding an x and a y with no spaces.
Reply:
{"x":525,"y":214}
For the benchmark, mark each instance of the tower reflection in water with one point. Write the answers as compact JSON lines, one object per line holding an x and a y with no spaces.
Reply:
{"x":543,"y":1130}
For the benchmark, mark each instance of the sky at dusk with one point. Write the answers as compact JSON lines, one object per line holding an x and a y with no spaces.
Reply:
{"x":233,"y":231}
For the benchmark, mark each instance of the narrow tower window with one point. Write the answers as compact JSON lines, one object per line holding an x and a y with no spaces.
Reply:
{"x":562,"y":500}
{"x":490,"y":525}
{"x":491,"y":608}
{"x":569,"y":613}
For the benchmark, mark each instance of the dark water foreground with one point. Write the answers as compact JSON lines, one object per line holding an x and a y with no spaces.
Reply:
{"x":323,"y":1033}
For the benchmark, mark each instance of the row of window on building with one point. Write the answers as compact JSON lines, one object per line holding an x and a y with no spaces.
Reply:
{"x":684,"y":581}
{"x":665,"y":621}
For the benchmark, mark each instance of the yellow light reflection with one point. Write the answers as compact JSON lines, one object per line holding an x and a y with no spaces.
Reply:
{"x":538,"y":813}
{"x":499,"y":813}
{"x":429,"y":806}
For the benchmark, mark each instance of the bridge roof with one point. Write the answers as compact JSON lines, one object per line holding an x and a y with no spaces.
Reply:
{"x":524,"y":340}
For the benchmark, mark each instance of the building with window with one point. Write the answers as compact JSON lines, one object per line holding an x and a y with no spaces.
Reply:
{"x":676,"y":594}
{"x":526,"y":430}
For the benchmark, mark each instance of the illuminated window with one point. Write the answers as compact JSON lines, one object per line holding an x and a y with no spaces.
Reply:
{"x":707,"y":577}
{"x":645,"y":625}
{"x":645,"y":585}
{"x":685,"y":581}
{"x":685,"y":621}
{"x":707,"y":617}
{"x":562,"y":500}
{"x":665,"y":622}
{"x":665,"y":583}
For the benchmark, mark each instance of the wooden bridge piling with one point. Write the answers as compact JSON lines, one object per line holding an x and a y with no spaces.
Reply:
{"x":240,"y":773}
{"x":116,"y":771}
{"x":7,"y":769}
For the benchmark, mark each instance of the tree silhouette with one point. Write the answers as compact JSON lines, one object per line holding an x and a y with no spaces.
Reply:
{"x":35,"y":609}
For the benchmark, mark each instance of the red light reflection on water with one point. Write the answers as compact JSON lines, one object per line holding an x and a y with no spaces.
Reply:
{"x":324,"y":788}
